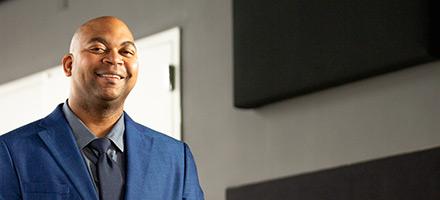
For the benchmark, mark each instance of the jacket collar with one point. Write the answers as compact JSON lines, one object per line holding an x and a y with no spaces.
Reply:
{"x":139,"y":148}
{"x":58,"y":137}
{"x":60,"y":141}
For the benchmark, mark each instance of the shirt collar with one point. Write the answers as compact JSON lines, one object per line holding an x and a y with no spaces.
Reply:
{"x":84,"y":136}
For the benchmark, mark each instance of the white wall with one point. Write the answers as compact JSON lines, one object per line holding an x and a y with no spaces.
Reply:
{"x":378,"y":117}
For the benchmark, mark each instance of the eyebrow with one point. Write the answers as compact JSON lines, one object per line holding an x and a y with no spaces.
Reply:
{"x":97,"y":39}
{"x":102,"y":40}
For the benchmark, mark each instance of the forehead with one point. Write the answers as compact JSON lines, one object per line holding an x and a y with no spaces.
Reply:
{"x":112,"y":32}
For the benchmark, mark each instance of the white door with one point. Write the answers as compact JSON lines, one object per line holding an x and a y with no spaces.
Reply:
{"x":154,"y":102}
{"x":32,"y":97}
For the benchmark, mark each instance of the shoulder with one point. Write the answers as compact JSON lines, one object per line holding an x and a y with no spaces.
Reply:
{"x":160,"y":140}
{"x":22,"y":132}
{"x":147,"y":131}
{"x":33,"y":128}
{"x":156,"y":135}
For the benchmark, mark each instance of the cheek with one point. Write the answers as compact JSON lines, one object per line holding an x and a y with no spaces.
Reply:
{"x":80,"y":74}
{"x":86,"y":65}
{"x":133,"y":69}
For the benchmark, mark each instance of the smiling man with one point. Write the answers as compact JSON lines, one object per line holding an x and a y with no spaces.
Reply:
{"x":88,"y":148}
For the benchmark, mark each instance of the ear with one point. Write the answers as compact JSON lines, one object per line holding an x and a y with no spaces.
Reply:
{"x":67,"y":64}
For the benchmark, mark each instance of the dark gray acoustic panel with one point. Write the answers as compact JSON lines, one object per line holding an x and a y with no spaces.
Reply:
{"x":414,"y":176}
{"x":286,"y":48}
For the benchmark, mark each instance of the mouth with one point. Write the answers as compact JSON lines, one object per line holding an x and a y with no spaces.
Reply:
{"x":110,"y":75}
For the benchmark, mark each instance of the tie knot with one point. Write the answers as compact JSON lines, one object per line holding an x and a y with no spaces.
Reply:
{"x":101,"y":145}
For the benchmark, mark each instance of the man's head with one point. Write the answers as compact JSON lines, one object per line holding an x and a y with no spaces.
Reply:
{"x":102,"y":62}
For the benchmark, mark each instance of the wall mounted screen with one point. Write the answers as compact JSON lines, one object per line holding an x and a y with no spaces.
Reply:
{"x":287,"y":48}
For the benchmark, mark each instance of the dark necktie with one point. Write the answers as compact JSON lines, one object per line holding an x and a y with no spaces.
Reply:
{"x":110,"y":183}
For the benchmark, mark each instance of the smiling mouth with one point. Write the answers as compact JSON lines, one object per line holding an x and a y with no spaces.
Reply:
{"x":110,"y":75}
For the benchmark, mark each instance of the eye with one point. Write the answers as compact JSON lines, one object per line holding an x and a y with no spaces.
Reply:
{"x":127,"y":52}
{"x":97,"y":49}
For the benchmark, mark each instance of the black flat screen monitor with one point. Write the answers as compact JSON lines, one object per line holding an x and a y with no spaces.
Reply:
{"x":286,"y":48}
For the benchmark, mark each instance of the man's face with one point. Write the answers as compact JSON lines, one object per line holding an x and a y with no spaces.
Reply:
{"x":103,"y":62}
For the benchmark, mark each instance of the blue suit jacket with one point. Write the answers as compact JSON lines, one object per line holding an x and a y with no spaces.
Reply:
{"x":42,"y":161}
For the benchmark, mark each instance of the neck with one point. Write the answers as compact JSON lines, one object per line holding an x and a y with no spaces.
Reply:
{"x":98,"y":117}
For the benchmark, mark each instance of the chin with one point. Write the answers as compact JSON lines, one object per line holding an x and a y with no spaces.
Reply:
{"x":113,"y":98}
{"x":108,"y":98}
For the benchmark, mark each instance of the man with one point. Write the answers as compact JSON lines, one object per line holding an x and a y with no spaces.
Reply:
{"x":88,"y":148}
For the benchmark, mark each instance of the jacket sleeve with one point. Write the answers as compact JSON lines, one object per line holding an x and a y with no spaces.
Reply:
{"x":9,"y":184}
{"x":192,"y":189}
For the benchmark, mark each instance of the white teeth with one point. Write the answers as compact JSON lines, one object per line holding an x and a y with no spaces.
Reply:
{"x":110,"y":76}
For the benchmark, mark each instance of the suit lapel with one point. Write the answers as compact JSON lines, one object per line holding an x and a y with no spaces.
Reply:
{"x":61,"y":143}
{"x":138,"y":154}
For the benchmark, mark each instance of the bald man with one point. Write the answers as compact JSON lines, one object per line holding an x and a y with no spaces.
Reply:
{"x":88,"y":148}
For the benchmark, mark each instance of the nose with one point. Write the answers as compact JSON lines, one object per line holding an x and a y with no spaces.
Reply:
{"x":113,"y":58}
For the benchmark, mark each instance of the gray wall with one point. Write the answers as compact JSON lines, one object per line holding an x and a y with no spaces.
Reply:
{"x":378,"y":117}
